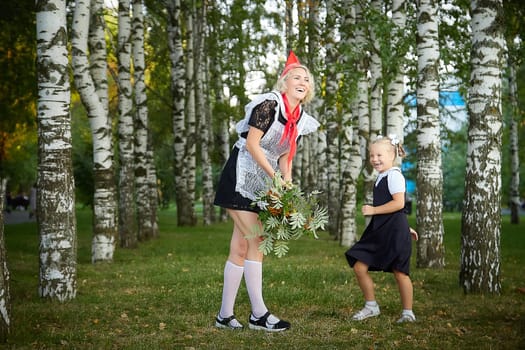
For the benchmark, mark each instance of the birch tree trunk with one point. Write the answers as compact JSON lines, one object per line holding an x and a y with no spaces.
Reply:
{"x":153,"y":185}
{"x":351,"y":160}
{"x":56,"y":218}
{"x":105,"y":232}
{"x":186,"y":205}
{"x":182,"y":90}
{"x":98,"y":54}
{"x":481,"y":219}
{"x":127,"y":218}
{"x":178,"y":87}
{"x":430,"y":249}
{"x":376,"y":78}
{"x":104,"y":204}
{"x":374,"y":66}
{"x":223,"y":137}
{"x":5,"y":294}
{"x":145,"y":223}
{"x":313,"y":163}
{"x":515,"y":201}
{"x":204,"y":124}
{"x":220,"y":110}
{"x":362,"y":104}
{"x":289,"y":25}
{"x":395,"y":105}
{"x":332,"y":122}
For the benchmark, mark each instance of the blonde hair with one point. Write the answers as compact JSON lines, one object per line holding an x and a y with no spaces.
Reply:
{"x":392,"y":141}
{"x":280,"y":85}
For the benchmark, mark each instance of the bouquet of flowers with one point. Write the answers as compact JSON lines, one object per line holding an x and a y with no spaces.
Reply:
{"x":287,"y":213}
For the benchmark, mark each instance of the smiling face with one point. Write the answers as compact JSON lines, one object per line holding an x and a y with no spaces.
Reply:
{"x":382,"y":156}
{"x":297,"y":83}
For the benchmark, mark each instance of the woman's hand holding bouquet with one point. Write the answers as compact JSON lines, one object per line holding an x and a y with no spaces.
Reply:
{"x":287,"y":213}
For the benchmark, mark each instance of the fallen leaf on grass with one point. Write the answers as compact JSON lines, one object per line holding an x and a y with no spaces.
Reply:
{"x":460,"y":331}
{"x":162,"y":325}
{"x":441,"y":313}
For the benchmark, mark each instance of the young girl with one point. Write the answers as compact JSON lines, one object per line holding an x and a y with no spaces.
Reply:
{"x":385,"y":244}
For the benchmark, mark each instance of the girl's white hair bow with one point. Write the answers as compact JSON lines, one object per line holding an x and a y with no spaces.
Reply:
{"x":393,"y":139}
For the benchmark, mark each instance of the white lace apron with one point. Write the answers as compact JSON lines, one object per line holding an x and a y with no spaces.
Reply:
{"x":251,"y":178}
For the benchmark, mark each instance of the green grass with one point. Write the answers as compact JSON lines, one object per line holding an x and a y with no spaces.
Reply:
{"x":166,"y":293}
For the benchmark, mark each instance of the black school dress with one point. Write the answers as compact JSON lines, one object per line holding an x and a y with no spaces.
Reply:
{"x":225,"y":196}
{"x":386,"y":244}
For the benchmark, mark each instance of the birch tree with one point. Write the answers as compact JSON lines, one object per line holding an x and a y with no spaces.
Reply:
{"x":146,"y":218}
{"x":105,"y":233}
{"x":332,"y":121}
{"x":376,"y":71}
{"x":94,"y":98}
{"x":352,"y":164}
{"x":186,"y":206}
{"x":313,"y":172}
{"x":127,"y":223}
{"x":202,"y":110}
{"x":5,"y":294}
{"x":361,"y":104}
{"x":182,"y":91}
{"x":481,"y":218}
{"x":395,"y":105}
{"x":515,"y":200}
{"x":430,"y":249}
{"x":514,"y":40}
{"x":220,"y":110}
{"x":178,"y":88}
{"x":351,"y":160}
{"x":55,"y":183}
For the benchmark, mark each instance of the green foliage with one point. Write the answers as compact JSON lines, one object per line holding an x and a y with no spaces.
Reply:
{"x":18,"y":94}
{"x":166,"y":293}
{"x":454,"y":41}
{"x":18,"y":88}
{"x":288,"y":215}
{"x":20,"y":163}
{"x":82,"y":153}
{"x":454,"y":164}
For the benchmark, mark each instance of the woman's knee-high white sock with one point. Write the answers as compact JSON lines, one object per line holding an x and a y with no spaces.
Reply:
{"x":253,"y":278}
{"x":232,"y":280}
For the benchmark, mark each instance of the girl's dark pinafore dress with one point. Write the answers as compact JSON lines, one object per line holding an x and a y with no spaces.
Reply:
{"x":386,"y":244}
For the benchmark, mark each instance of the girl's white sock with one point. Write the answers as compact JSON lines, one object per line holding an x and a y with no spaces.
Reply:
{"x":408,"y":312}
{"x":371,"y":303}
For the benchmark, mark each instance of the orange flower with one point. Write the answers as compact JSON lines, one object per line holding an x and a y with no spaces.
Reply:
{"x":275,"y":211}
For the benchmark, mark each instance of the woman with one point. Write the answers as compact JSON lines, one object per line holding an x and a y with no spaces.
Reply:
{"x":267,"y":142}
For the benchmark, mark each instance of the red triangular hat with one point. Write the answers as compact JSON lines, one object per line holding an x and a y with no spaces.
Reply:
{"x":291,"y":62}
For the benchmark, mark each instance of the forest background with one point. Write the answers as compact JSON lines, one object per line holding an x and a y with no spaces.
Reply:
{"x":201,"y":63}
